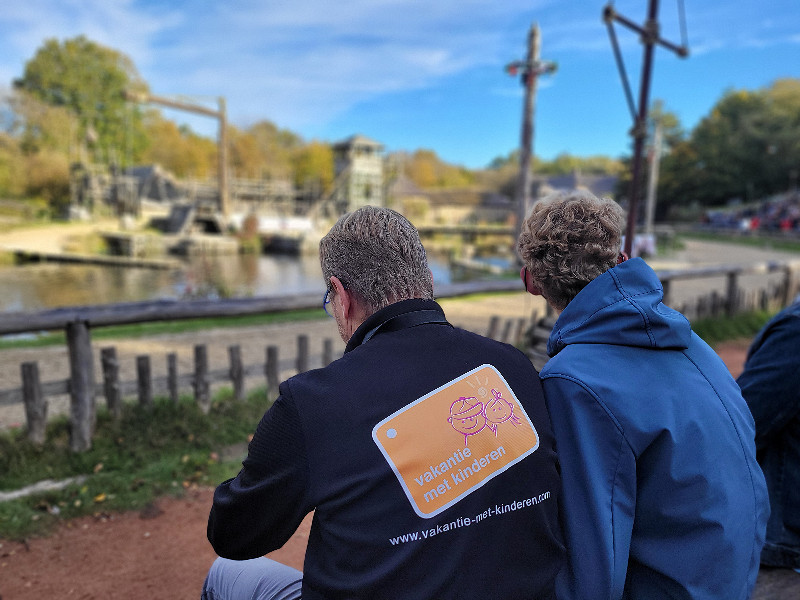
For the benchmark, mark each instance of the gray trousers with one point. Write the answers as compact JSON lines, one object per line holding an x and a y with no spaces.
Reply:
{"x":256,"y":579}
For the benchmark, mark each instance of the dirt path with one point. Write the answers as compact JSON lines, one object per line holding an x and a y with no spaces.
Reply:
{"x":162,"y":552}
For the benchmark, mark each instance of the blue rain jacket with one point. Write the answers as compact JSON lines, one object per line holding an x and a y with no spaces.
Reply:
{"x":662,"y":494}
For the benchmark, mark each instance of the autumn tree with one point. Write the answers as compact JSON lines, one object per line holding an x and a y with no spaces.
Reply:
{"x":313,"y":165}
{"x":427,"y":170}
{"x":89,"y":80}
{"x":178,"y":149}
{"x":276,"y":147}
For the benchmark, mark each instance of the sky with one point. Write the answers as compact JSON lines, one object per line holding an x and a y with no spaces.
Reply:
{"x":414,"y":74}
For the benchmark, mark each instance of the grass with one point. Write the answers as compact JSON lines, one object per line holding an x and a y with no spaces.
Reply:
{"x":147,"y":454}
{"x":723,"y":328}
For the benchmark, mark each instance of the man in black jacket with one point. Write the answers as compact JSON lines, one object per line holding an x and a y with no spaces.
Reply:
{"x":425,"y":452}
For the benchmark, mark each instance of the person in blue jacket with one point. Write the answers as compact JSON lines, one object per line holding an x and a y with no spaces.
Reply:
{"x":770,"y":384}
{"x":425,"y":452}
{"x":662,"y":496}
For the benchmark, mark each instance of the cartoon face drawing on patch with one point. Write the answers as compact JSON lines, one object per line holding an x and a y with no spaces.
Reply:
{"x":466,"y":416}
{"x":499,"y":410}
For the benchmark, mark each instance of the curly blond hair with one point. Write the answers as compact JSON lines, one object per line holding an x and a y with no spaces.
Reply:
{"x":569,"y":239}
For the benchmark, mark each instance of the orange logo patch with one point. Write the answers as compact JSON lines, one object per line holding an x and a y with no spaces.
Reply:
{"x":451,"y":441}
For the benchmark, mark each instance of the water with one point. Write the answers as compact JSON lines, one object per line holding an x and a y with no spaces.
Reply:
{"x":49,"y":285}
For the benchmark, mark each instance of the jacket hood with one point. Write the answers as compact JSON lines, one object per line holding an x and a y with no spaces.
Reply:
{"x":623,"y":306}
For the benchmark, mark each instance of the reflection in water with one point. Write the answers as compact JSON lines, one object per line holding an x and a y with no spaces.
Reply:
{"x":50,"y":285}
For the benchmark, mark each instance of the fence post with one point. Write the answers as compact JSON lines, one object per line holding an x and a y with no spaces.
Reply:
{"x":172,"y":377}
{"x":237,"y":371}
{"x":786,"y":287}
{"x":519,"y":332}
{"x":507,"y":331}
{"x":144,"y":381}
{"x":35,"y":404}
{"x":302,"y":353}
{"x":327,"y":352}
{"x":272,"y":370}
{"x":666,"y":285}
{"x":110,"y":365}
{"x":81,"y":386}
{"x":732,"y":294}
{"x":494,"y":325}
{"x":202,"y":394}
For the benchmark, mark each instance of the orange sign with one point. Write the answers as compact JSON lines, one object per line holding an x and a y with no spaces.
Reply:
{"x":451,"y":441}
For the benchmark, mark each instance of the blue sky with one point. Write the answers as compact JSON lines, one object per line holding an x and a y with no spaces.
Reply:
{"x":420,"y":74}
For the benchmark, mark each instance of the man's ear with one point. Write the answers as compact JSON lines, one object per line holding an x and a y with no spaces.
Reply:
{"x":623,"y":256}
{"x":344,"y":297}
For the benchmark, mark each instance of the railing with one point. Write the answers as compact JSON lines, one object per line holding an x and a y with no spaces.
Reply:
{"x":78,"y":321}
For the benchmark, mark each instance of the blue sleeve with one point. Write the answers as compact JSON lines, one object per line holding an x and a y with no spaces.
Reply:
{"x":257,"y":511}
{"x":598,"y":473}
{"x":770,"y":381}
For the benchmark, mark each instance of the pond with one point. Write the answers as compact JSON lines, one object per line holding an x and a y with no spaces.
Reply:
{"x":49,"y":285}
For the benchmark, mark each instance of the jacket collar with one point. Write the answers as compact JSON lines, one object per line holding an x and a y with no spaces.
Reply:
{"x":400,"y":315}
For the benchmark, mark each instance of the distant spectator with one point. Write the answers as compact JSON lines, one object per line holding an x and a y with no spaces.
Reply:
{"x":771,"y":386}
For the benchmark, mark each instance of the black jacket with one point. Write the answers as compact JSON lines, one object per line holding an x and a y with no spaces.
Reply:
{"x":406,"y":505}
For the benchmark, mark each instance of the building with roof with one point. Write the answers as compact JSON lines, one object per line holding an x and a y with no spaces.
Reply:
{"x":358,"y":167}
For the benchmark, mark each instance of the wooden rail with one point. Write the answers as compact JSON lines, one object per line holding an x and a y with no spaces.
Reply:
{"x":78,"y":321}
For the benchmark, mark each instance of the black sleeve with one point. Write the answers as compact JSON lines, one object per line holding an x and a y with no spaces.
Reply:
{"x":257,"y":511}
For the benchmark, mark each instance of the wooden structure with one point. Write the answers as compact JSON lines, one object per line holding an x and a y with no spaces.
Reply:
{"x":358,"y":164}
{"x":222,"y":140}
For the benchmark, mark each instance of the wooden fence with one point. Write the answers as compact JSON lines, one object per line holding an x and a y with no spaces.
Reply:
{"x":83,"y":389}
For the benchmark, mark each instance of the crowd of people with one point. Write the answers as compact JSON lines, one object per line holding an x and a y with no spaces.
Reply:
{"x":439,"y":464}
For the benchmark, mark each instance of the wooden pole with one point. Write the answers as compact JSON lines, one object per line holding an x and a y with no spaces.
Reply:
{"x":202,"y":392}
{"x":302,"y":353}
{"x":111,"y":387}
{"x":272,"y":370}
{"x":172,"y":377}
{"x":145,"y":381}
{"x":327,"y":352}
{"x":81,"y":366}
{"x":526,"y":136}
{"x":35,"y":404}
{"x":236,"y":371}
{"x":223,"y":159}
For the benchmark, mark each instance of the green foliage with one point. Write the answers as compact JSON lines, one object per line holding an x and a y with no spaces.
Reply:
{"x":148,"y":453}
{"x":721,"y":329}
{"x":12,"y":168}
{"x":747,"y":148}
{"x":89,"y":80}
{"x":48,"y":178}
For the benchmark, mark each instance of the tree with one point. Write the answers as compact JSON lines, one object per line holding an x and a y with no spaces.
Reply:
{"x":748,"y":147}
{"x":178,"y":149}
{"x":12,"y":167}
{"x":89,"y":80}
{"x":313,"y":165}
{"x":276,"y":147}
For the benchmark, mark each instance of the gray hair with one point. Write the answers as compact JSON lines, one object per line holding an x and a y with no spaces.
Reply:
{"x":569,"y":239}
{"x":377,"y":255}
